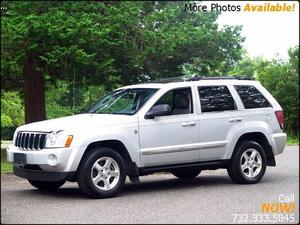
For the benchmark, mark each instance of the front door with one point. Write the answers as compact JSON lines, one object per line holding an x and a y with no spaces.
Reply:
{"x":173,"y":138}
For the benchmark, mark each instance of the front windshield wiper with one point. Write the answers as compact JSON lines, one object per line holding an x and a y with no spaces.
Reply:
{"x":118,"y":113}
{"x":115,"y":113}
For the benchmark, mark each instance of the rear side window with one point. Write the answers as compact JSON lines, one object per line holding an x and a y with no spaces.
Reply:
{"x":216,"y":98}
{"x":251,"y":97}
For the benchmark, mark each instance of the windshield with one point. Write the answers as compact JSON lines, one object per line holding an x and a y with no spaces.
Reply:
{"x":122,"y":101}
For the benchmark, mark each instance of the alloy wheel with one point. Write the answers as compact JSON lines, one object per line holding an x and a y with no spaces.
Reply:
{"x":251,"y":163}
{"x":105,"y":173}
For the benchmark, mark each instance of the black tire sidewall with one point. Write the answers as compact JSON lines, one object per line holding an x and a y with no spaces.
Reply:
{"x":235,"y":164}
{"x":46,"y":185}
{"x":84,"y":177}
{"x":186,"y":173}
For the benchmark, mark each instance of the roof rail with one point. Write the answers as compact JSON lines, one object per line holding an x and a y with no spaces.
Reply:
{"x":220,"y":78}
{"x":168,"y":80}
{"x":197,"y":78}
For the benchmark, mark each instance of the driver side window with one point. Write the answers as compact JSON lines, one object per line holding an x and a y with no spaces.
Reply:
{"x":180,"y":101}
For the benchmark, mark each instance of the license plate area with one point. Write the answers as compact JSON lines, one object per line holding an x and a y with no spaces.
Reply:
{"x":19,"y":158}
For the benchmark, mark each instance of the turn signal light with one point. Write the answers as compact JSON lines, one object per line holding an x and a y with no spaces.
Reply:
{"x":69,"y":141}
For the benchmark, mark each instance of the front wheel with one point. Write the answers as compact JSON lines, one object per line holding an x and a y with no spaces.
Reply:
{"x":102,"y":173}
{"x":46,"y":185}
{"x":248,"y":164}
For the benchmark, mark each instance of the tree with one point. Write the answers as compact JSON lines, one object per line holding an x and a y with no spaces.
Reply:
{"x":59,"y":98}
{"x":280,"y":78}
{"x":12,"y":110}
{"x":188,"y":43}
{"x":109,"y":43}
{"x":43,"y":36}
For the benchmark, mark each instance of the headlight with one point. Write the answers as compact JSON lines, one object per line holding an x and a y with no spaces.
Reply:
{"x":58,"y":139}
{"x":14,"y":137}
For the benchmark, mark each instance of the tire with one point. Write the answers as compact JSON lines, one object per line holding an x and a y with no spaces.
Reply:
{"x":186,"y":173}
{"x":99,"y":164}
{"x":46,"y":185}
{"x":248,"y":156}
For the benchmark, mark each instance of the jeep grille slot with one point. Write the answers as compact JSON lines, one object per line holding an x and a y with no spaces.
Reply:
{"x":30,"y":140}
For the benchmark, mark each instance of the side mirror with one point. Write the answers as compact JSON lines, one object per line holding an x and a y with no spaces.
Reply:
{"x":158,"y":110}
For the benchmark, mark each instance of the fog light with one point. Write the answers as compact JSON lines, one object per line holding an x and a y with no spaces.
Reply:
{"x":52,"y":160}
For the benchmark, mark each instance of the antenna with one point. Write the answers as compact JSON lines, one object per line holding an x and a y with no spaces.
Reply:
{"x":73,"y":94}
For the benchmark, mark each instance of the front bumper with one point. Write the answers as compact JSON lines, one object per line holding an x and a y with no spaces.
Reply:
{"x":41,"y":175}
{"x":43,"y":158}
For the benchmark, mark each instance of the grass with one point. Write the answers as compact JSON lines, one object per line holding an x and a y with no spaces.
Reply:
{"x":292,"y":140}
{"x":8,"y":167}
{"x":5,"y":166}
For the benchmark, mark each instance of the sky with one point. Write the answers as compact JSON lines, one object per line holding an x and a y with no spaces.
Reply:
{"x":268,"y":34}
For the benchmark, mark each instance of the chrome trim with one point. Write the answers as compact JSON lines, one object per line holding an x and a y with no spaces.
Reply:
{"x":24,"y":137}
{"x":39,"y":142}
{"x":23,"y":140}
{"x":182,"y":148}
{"x":213,"y":146}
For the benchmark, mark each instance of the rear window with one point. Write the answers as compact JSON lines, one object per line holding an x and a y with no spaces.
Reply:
{"x":215,"y":98}
{"x":251,"y":97}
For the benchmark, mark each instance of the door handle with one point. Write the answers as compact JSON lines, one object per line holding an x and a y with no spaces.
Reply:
{"x":188,"y":124}
{"x":233,"y":120}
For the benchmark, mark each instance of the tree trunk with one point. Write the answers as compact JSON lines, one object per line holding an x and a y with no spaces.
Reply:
{"x":34,"y":89}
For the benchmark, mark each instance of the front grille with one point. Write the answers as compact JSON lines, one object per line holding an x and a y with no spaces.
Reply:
{"x":31,"y":140}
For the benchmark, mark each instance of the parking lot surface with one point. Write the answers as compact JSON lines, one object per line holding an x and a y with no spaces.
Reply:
{"x":158,"y":198}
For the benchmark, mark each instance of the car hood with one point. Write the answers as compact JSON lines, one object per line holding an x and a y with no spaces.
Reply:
{"x":78,"y":122}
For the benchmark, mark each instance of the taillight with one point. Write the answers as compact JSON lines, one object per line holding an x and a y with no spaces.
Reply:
{"x":279,"y":116}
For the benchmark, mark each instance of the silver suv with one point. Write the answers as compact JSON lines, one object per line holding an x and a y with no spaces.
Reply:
{"x":176,"y":126}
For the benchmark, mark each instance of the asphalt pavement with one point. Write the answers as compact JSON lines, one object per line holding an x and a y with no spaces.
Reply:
{"x":159,"y":198}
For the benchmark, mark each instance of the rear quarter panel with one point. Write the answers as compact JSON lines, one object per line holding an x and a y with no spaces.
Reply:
{"x":254,"y":120}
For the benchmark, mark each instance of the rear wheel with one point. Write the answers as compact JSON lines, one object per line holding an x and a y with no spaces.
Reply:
{"x":186,"y":173}
{"x":248,"y":164}
{"x":102,"y":173}
{"x":46,"y":185}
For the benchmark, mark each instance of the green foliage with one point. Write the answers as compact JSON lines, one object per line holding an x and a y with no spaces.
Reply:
{"x":5,"y":166}
{"x":292,"y":140}
{"x":217,"y":53}
{"x":248,"y":67}
{"x":114,"y":43}
{"x":6,"y":121}
{"x":99,"y":46}
{"x":60,"y":34}
{"x":54,"y":101}
{"x":12,"y":109}
{"x":59,"y":98}
{"x":281,"y":79}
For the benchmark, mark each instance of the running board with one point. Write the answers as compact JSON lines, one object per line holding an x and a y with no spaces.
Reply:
{"x":203,"y":165}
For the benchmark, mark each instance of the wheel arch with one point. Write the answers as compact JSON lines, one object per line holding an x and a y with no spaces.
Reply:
{"x":260,"y":138}
{"x":119,"y":147}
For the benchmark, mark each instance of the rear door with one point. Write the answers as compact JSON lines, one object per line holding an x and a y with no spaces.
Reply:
{"x":219,"y":113}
